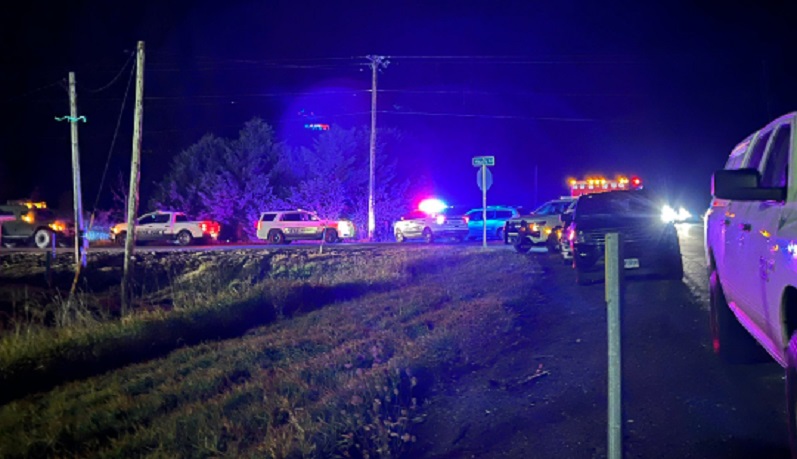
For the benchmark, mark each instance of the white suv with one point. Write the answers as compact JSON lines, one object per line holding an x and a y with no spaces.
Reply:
{"x":538,"y":228}
{"x":751,"y":252}
{"x":283,"y":227}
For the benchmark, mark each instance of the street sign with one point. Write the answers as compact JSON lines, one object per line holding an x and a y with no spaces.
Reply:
{"x":484,"y":161}
{"x":488,"y":179}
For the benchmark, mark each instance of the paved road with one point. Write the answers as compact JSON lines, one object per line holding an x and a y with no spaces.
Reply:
{"x":679,"y":399}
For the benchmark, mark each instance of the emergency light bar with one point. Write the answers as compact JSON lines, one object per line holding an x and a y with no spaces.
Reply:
{"x":601,"y":184}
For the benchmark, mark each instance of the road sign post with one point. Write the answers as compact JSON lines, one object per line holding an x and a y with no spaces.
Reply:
{"x":485,"y":180}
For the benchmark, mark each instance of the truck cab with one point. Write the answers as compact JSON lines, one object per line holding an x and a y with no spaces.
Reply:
{"x":751,"y":248}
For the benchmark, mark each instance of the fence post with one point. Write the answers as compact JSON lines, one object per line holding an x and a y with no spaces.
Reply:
{"x":613,"y":256}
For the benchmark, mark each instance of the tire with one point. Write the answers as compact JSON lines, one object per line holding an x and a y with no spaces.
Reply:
{"x":584,"y":278}
{"x":729,"y":339}
{"x":523,"y":246}
{"x":428,"y":236}
{"x":400,"y":237}
{"x":184,"y":238}
{"x":791,"y":392}
{"x":120,"y":238}
{"x":552,"y":244}
{"x":675,"y":268}
{"x":276,"y":237}
{"x":43,"y":238}
{"x":330,"y":236}
{"x":499,"y":234}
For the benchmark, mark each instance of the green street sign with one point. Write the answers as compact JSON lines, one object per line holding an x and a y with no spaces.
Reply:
{"x":479,"y":161}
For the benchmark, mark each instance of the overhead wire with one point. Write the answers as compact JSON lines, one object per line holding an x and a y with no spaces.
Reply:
{"x":110,"y":150}
{"x":113,"y":80}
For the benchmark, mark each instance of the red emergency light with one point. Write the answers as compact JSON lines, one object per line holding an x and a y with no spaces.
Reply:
{"x":600,"y":184}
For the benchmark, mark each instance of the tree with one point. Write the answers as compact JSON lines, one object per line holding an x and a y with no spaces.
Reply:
{"x":229,"y":181}
{"x":332,"y":177}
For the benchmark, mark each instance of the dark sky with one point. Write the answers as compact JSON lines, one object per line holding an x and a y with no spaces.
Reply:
{"x":551,"y":89}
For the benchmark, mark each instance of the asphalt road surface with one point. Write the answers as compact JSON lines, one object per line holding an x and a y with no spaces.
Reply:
{"x":679,"y":399}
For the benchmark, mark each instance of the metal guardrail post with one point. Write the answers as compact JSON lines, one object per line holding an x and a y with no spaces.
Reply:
{"x":614,"y":303}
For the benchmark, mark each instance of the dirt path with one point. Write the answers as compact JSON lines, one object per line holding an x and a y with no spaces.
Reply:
{"x":545,"y":396}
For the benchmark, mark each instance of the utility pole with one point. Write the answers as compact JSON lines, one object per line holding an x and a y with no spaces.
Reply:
{"x":376,"y":62}
{"x":135,"y":172}
{"x":80,"y":248}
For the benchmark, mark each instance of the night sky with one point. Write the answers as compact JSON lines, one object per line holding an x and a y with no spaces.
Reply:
{"x":551,"y":89}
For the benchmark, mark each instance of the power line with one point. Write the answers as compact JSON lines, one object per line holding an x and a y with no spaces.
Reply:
{"x":113,"y":80}
{"x":39,"y":89}
{"x":476,"y":115}
{"x":110,"y":150}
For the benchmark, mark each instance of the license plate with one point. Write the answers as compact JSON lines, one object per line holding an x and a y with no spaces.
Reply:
{"x":631,"y":263}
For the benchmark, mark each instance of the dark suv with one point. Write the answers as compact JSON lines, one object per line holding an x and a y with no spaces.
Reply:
{"x":650,"y":246}
{"x":33,"y":223}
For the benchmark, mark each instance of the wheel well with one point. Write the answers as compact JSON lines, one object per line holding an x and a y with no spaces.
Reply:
{"x":789,"y":312}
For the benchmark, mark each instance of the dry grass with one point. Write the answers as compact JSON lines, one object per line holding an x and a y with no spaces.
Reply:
{"x":347,"y":379}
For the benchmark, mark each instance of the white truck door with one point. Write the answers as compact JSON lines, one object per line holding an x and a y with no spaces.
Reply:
{"x":775,"y":265}
{"x":740,"y":270}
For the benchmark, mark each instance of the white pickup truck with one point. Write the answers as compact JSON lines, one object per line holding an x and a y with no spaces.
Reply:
{"x":168,"y":226}
{"x":751,"y":253}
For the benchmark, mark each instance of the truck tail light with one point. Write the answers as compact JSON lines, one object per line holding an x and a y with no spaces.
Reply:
{"x":257,"y":225}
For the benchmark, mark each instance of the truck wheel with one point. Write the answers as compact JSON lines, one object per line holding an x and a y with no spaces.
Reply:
{"x":551,"y":243}
{"x":276,"y":237}
{"x":428,"y":237}
{"x":523,"y":246}
{"x":791,"y":390}
{"x":43,"y":238}
{"x":584,"y":278}
{"x":330,"y":236}
{"x":729,"y":338}
{"x":675,"y":268}
{"x":400,"y":236}
{"x":184,"y":238}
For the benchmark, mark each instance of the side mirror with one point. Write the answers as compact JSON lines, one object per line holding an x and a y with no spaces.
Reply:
{"x":743,"y":185}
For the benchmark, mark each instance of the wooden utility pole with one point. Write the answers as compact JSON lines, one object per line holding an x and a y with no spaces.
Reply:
{"x":80,"y":248}
{"x":135,"y":172}
{"x":376,"y":62}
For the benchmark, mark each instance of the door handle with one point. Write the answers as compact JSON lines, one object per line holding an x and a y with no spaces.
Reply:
{"x":746,"y":227}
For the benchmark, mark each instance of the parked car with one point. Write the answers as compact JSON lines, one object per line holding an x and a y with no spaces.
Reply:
{"x":32,"y":223}
{"x":168,"y":226}
{"x":650,"y":246}
{"x":286,"y":226}
{"x":497,"y":217}
{"x":564,"y":234}
{"x":750,"y":234}
{"x":538,"y":228}
{"x":431,"y":226}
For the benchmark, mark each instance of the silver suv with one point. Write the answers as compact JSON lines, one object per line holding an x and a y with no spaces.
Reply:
{"x":284,"y":227}
{"x":751,"y":248}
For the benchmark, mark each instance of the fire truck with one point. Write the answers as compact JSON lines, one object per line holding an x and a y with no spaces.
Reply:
{"x":602,"y":184}
{"x":544,"y":226}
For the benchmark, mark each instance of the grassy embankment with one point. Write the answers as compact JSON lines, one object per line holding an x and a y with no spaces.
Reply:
{"x":344,"y":379}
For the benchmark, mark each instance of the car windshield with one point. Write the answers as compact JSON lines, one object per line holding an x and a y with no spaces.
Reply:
{"x":619,"y":203}
{"x":552,"y":208}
